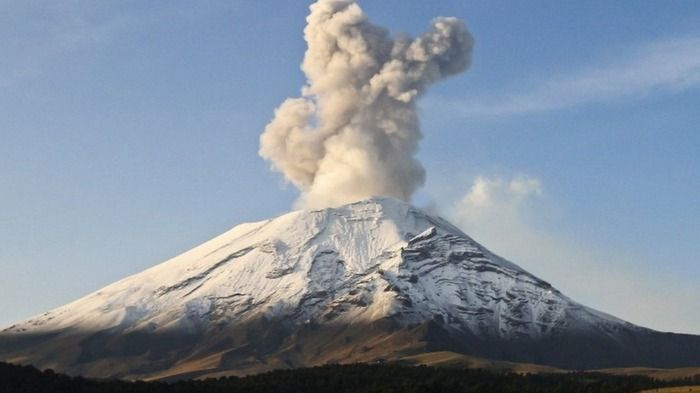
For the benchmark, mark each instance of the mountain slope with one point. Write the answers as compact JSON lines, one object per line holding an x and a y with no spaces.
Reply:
{"x":377,"y":279}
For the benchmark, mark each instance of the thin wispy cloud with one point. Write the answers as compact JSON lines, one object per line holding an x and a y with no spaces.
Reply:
{"x":30,"y":45}
{"x":29,"y":48}
{"x":671,"y":65}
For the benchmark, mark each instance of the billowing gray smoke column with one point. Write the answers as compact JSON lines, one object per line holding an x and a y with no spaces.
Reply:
{"x":354,"y":132}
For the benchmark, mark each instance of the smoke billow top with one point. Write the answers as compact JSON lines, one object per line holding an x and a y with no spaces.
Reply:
{"x":354,"y":131}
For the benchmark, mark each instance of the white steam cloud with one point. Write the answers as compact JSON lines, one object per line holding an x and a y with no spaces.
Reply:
{"x":354,"y":131}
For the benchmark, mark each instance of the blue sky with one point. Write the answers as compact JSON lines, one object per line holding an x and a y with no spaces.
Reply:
{"x":129,"y":133}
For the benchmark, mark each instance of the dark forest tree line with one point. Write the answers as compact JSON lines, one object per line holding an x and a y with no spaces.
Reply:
{"x":356,"y":378}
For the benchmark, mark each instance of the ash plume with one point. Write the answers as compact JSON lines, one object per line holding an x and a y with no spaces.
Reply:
{"x":354,"y":131}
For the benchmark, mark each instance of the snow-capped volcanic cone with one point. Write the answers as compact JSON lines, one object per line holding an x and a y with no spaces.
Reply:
{"x":369,"y":281}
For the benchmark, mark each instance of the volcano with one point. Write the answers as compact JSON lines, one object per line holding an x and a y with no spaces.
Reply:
{"x":371,"y":281}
